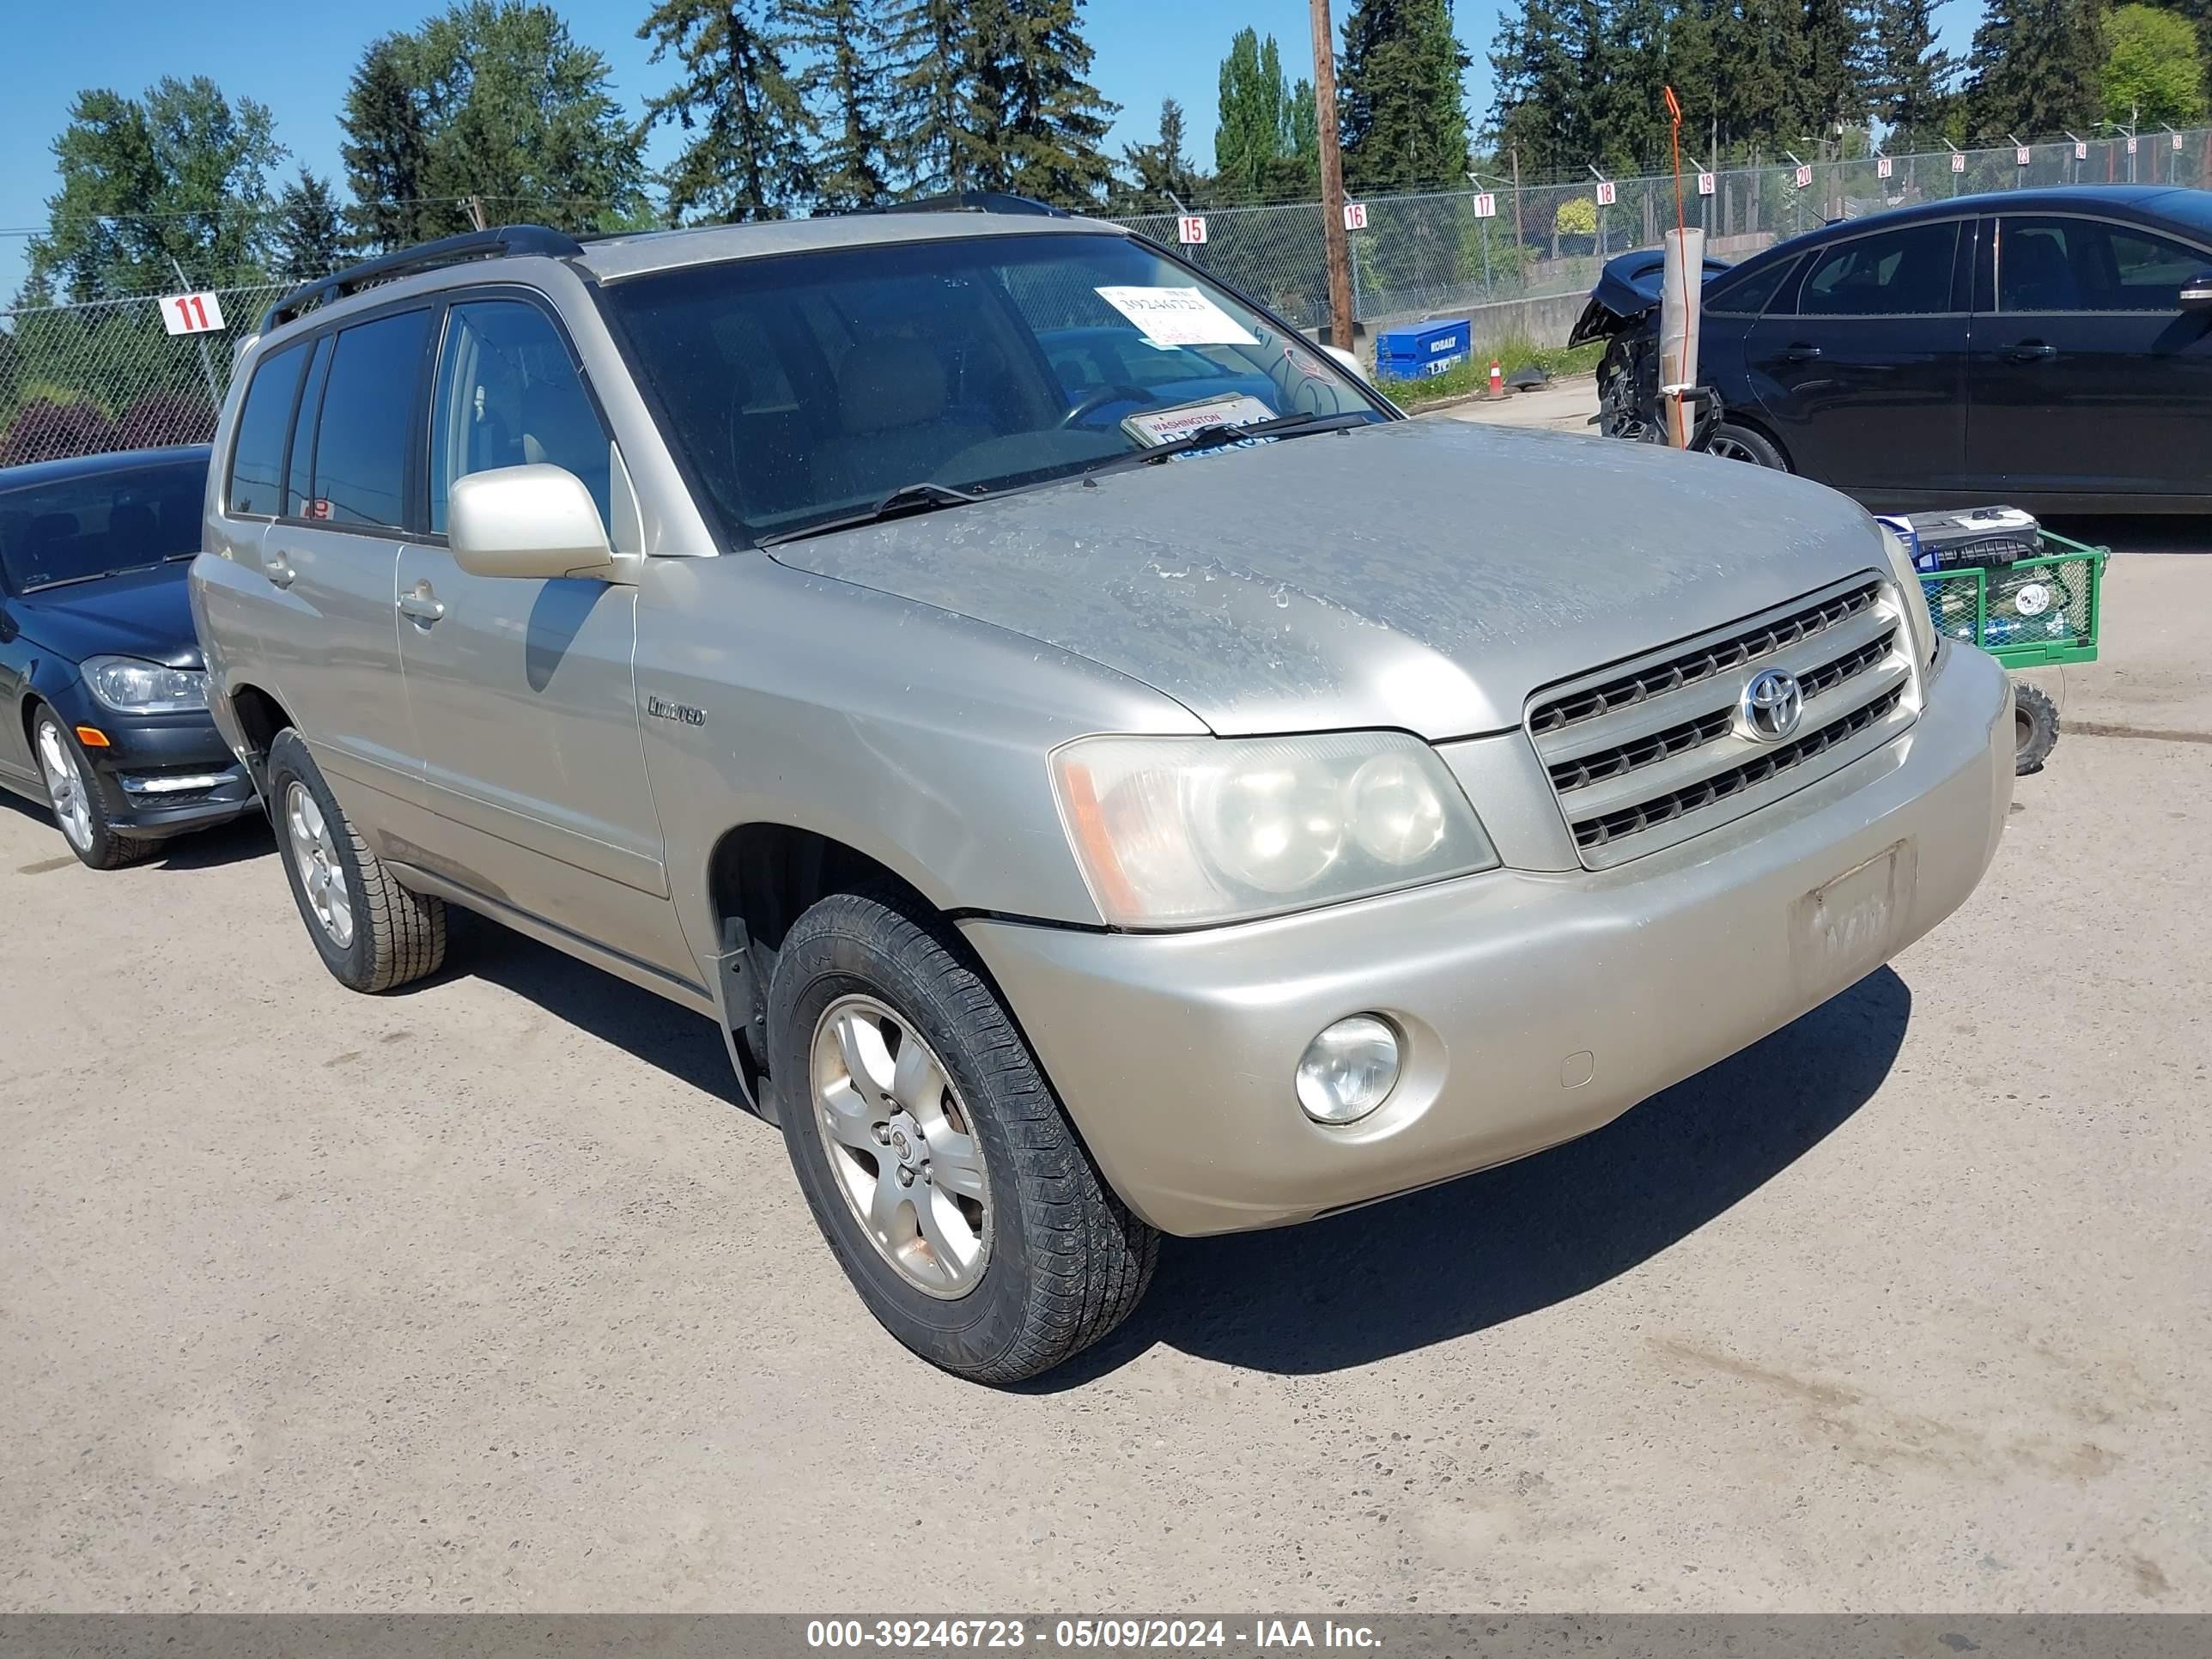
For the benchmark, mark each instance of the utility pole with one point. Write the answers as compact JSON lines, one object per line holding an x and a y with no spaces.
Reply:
{"x":1341,"y":317}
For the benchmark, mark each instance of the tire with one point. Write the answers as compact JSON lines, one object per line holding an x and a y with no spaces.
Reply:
{"x":73,"y":796}
{"x":389,"y":937}
{"x":1058,"y":1261}
{"x":2035,"y":728}
{"x":1743,"y":443}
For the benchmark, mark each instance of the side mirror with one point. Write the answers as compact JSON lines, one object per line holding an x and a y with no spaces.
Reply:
{"x":531,"y":521}
{"x":2197,"y":292}
{"x":1350,"y":360}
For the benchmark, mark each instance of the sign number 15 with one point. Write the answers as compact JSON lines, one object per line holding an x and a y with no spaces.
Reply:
{"x":191,"y":314}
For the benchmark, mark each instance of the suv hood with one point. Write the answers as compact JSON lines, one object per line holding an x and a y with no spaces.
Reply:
{"x":145,"y":614}
{"x":1426,"y":574}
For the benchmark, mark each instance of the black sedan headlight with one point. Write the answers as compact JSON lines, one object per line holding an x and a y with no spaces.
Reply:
{"x":132,"y":687}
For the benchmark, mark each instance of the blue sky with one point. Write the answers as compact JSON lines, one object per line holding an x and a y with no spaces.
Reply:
{"x":295,"y":56}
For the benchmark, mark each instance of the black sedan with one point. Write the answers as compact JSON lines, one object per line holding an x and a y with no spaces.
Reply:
{"x":103,"y":701}
{"x":2050,"y":349}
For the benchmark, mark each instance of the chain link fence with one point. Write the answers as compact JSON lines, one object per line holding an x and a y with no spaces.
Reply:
{"x":84,"y":379}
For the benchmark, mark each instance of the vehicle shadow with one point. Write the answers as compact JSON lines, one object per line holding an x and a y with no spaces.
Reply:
{"x":684,"y":1045}
{"x":242,"y":838}
{"x":1459,"y":1259}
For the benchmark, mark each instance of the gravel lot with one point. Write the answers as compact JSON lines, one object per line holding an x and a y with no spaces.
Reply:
{"x":485,"y":1297}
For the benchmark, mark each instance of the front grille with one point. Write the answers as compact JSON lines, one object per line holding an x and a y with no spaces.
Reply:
{"x":1703,"y":664}
{"x":1647,"y":755}
{"x":1665,"y":809}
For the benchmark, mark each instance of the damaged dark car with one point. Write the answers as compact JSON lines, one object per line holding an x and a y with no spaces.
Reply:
{"x":2050,"y":348}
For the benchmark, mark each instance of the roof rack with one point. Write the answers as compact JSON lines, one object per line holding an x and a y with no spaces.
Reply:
{"x":975,"y":201}
{"x":429,"y":255}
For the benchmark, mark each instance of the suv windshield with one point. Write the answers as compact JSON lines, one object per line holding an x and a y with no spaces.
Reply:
{"x":807,"y":387}
{"x":122,"y":517}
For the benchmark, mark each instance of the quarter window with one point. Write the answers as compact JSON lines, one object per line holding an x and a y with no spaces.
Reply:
{"x":257,"y":459}
{"x":360,"y":474}
{"x":1898,"y":273}
{"x":508,"y":395}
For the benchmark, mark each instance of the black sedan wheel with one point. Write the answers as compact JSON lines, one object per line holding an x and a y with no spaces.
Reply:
{"x":75,"y":799}
{"x":1732,"y":442}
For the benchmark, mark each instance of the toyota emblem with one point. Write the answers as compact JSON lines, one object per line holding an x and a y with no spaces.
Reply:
{"x":1771,"y":706}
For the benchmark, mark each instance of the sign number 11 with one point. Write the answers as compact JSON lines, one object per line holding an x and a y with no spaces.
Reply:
{"x":191,"y":314}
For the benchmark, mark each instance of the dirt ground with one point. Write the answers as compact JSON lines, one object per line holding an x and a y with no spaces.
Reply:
{"x":487,"y":1297}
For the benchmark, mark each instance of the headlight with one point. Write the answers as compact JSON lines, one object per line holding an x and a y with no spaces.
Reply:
{"x":1179,"y":831}
{"x":1911,"y":595}
{"x":131,"y":686}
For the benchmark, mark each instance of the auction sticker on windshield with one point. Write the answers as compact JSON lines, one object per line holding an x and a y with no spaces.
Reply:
{"x":1165,"y":426}
{"x":1177,"y":316}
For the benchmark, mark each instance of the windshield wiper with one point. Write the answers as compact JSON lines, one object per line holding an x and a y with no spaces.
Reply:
{"x":88,"y":576}
{"x":906,"y":500}
{"x":1222,"y":433}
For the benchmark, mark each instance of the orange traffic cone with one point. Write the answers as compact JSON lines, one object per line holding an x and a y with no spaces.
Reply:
{"x":1497,"y":379}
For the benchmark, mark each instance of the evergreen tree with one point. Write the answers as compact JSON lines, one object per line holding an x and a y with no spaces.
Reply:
{"x":177,"y":177}
{"x":387,"y":151}
{"x":2037,"y":66}
{"x":1403,"y":119}
{"x":311,"y":234}
{"x":1160,"y":174}
{"x":1910,"y":77}
{"x":1540,"y":112}
{"x":844,"y":39}
{"x":1756,"y":68}
{"x":1832,"y":69}
{"x":925,"y":103}
{"x":1033,"y":123}
{"x":745,"y":119}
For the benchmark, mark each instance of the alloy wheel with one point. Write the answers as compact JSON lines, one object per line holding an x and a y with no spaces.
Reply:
{"x":315,"y":854}
{"x":902,"y":1147}
{"x":67,"y":787}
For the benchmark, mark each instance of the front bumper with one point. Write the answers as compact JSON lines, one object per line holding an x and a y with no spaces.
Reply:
{"x":1532,"y":1007}
{"x":164,"y":775}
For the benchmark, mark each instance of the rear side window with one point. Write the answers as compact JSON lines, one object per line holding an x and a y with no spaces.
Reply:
{"x":1898,"y":273}
{"x":360,"y":474}
{"x":257,"y":459}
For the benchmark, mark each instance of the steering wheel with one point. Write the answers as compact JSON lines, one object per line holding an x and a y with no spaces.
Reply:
{"x":1099,"y":400}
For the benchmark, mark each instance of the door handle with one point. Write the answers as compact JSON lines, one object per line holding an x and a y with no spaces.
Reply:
{"x":424,"y":606}
{"x":278,"y":569}
{"x":1799,"y":352}
{"x":2031,"y":351}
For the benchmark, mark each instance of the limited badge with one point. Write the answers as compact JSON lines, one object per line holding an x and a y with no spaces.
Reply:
{"x":2032,"y":600}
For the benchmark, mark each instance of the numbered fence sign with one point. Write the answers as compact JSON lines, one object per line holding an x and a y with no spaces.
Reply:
{"x":2080,"y":151}
{"x":1958,"y":161}
{"x":1804,"y":178}
{"x":2131,"y":144}
{"x":2020,"y":156}
{"x":1884,"y":167}
{"x":1486,"y":205}
{"x":1355,"y":215}
{"x":1706,"y":184}
{"x":1191,"y":229}
{"x":2176,"y":144}
{"x":191,"y":314}
{"x":1606,"y":192}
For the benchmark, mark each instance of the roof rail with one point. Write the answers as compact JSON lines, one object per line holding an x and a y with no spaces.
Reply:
{"x":426,"y":256}
{"x":975,"y":201}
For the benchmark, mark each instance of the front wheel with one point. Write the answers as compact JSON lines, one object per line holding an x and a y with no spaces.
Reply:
{"x":946,"y":1178}
{"x":74,"y":798}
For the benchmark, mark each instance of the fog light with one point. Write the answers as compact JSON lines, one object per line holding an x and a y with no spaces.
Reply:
{"x":1348,"y":1070}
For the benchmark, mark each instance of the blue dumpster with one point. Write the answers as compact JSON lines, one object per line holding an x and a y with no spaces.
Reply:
{"x":1408,"y":354}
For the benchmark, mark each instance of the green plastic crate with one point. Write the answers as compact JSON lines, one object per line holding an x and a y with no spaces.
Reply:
{"x":2032,"y":614}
